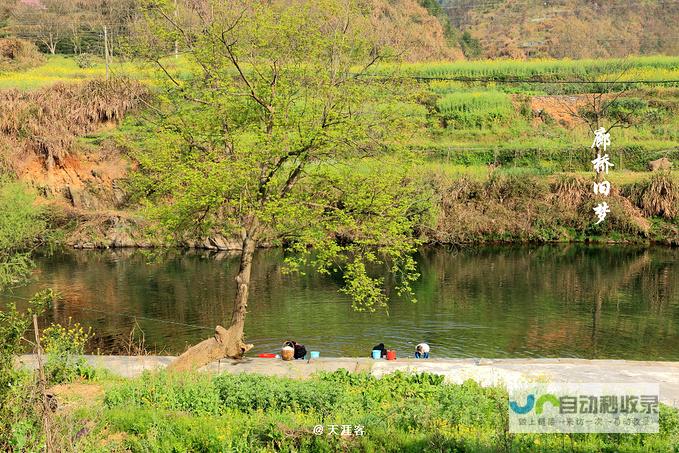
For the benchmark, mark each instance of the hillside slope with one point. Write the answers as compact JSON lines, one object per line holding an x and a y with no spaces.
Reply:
{"x":568,"y":28}
{"x":408,"y":26}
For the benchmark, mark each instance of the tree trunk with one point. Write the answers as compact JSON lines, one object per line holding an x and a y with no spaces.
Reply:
{"x":225,"y":342}
{"x":52,"y":45}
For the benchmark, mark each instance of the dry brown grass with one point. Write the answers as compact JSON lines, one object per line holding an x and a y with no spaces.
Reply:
{"x":17,"y":54}
{"x":660,"y":196}
{"x":47,"y":121}
{"x":570,"y":191}
{"x":525,"y":208}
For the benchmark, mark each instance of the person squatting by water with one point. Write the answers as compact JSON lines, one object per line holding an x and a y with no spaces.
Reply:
{"x":298,"y":350}
{"x":422,"y":351}
{"x":380,"y":347}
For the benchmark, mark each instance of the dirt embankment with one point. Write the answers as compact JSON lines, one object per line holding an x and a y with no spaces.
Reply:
{"x":41,"y":142}
{"x":562,"y":109}
{"x":524,"y":208}
{"x":46,"y":141}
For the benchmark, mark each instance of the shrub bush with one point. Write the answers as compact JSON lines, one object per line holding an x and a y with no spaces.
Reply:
{"x":192,"y":393}
{"x":252,"y":392}
{"x":18,"y":54}
{"x":64,"y":347}
{"x":85,"y":60}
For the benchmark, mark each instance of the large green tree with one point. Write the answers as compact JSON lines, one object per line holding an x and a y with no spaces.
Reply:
{"x":21,"y":226}
{"x":272,"y":132}
{"x":21,"y":223}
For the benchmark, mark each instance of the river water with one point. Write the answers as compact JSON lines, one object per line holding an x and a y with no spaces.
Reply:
{"x":503,"y":301}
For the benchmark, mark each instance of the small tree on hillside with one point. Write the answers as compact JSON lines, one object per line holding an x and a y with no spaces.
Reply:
{"x":608,"y":102}
{"x":598,"y":99}
{"x":45,"y":22}
{"x":275,"y":137}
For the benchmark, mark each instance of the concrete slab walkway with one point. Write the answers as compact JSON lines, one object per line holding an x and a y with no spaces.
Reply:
{"x":485,"y":371}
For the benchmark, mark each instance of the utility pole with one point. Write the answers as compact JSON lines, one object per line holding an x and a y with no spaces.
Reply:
{"x":106,"y":49}
{"x":176,"y":41}
{"x":46,"y":409}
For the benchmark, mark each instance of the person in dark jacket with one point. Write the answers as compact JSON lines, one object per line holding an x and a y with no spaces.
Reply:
{"x":380,"y":347}
{"x":300,"y":350}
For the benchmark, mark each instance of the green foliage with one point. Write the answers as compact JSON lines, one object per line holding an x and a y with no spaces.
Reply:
{"x":252,"y":393}
{"x":197,"y":394}
{"x":19,"y":427}
{"x":64,"y":346}
{"x":557,"y":70}
{"x":475,"y":109}
{"x":622,"y":108}
{"x":20,"y":224}
{"x":399,"y":412}
{"x":435,"y":9}
{"x":471,"y":47}
{"x":85,"y":60}
{"x":13,"y":326}
{"x":567,"y":158}
{"x":285,"y":144}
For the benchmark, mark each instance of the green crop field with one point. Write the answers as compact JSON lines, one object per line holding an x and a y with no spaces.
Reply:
{"x":473,"y":123}
{"x":60,"y":68}
{"x":646,"y":68}
{"x":475,"y":109}
{"x":653,"y":68}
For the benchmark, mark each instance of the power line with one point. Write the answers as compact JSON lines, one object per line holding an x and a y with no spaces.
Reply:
{"x":126,"y":315}
{"x":144,"y":318}
{"x":549,"y":4}
{"x":520,"y":80}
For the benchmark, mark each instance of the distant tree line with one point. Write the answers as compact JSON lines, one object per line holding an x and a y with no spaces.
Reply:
{"x":77,"y":26}
{"x":68,"y":26}
{"x":470,"y":46}
{"x":563,"y":28}
{"x":475,"y":28}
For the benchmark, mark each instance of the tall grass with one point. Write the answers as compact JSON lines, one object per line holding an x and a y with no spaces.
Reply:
{"x":47,"y":121}
{"x":642,"y":67}
{"x":475,"y":109}
{"x":60,"y":68}
{"x":17,"y":54}
{"x":657,"y":196}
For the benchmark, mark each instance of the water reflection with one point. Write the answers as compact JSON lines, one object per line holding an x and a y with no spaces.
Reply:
{"x":547,"y":301}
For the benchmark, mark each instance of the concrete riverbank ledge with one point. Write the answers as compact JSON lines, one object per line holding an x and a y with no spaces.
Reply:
{"x":485,"y":371}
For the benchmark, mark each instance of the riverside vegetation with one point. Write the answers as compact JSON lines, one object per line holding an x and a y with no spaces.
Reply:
{"x":91,"y":410}
{"x":317,"y":147}
{"x":398,"y":412}
{"x":160,"y":411}
{"x":479,"y":135}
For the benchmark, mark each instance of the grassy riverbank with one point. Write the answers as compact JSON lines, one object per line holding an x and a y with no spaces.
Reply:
{"x":521,"y":205}
{"x":202,"y":412}
{"x":506,"y":159}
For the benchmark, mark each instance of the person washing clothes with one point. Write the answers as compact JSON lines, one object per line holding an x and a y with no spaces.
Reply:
{"x":382,"y":351}
{"x":422,"y":351}
{"x":293,"y":350}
